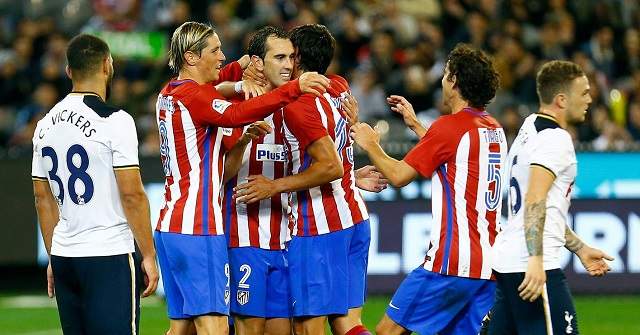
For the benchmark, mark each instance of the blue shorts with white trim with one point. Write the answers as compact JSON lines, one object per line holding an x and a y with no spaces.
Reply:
{"x":195,"y":274}
{"x":259,"y":282}
{"x":431,"y":303}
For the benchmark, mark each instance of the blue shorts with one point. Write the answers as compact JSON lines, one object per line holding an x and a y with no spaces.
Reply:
{"x":428,"y":303}
{"x":319,"y":268}
{"x":358,"y":262}
{"x":259,"y":282}
{"x":195,"y":274}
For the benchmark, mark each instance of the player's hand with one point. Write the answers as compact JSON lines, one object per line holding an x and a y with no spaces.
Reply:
{"x":257,"y":129}
{"x":252,"y":89}
{"x":253,"y":73}
{"x":365,"y":136}
{"x":400,"y":105}
{"x":244,"y":61}
{"x":256,"y":188}
{"x":534,"y":279}
{"x":593,"y":261}
{"x":350,"y":108}
{"x":314,"y":83}
{"x":51,"y":289}
{"x":369,"y":179}
{"x":150,"y":273}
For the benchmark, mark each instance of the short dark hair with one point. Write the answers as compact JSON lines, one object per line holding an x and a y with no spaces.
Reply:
{"x":258,"y":41}
{"x":476,"y":78}
{"x":555,"y":77}
{"x":315,"y":46}
{"x":85,"y":54}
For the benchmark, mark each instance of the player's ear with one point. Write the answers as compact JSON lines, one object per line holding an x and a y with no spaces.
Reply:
{"x":561,"y":100}
{"x":257,"y":61}
{"x":67,"y":70}
{"x":454,"y":80}
{"x":190,"y":58}
{"x":105,"y":66}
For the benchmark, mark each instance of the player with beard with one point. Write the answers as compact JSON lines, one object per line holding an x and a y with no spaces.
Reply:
{"x":192,"y":119}
{"x":329,"y":249}
{"x":533,"y":296}
{"x":91,"y":203}
{"x":258,"y":232}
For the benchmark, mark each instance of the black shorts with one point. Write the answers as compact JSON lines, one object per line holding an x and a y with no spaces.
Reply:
{"x":552,"y":313}
{"x":98,"y":295}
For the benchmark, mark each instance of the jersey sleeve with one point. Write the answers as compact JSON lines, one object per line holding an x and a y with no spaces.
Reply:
{"x":433,"y":150}
{"x":125,"y":142}
{"x":208,"y":107}
{"x":304,"y":122}
{"x":551,"y":150}
{"x":38,"y":170}
{"x":230,"y":72}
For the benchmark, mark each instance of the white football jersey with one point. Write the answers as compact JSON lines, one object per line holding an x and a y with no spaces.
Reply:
{"x":542,"y":142}
{"x":76,"y":148}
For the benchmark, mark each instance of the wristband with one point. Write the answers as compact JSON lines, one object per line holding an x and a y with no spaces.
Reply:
{"x":238,"y":87}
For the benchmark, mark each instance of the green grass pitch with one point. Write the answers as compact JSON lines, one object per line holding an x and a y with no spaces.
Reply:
{"x":36,"y":315}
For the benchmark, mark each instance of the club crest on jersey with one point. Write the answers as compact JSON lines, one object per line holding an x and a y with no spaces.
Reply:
{"x":220,"y":105}
{"x":568,"y":317}
{"x":271,"y":152}
{"x":242,"y":297}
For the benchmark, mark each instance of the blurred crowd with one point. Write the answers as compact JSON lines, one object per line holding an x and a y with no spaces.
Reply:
{"x":384,"y":47}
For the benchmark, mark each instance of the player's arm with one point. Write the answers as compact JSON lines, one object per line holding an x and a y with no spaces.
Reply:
{"x":246,"y":88}
{"x":124,"y":148}
{"x":233,"y":159}
{"x":325,"y":167}
{"x":48,"y":216}
{"x":399,"y":173}
{"x":535,"y":208}
{"x":47,"y":209}
{"x":212,"y":110}
{"x":136,"y":209}
{"x":592,"y":259}
{"x":403,"y":107}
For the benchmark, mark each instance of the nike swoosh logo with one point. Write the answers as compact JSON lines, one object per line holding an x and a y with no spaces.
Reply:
{"x":392,"y":306}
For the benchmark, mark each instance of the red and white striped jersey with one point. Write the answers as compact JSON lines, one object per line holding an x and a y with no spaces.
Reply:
{"x":190,"y":119}
{"x":336,"y":205}
{"x":464,"y":154}
{"x":263,"y":224}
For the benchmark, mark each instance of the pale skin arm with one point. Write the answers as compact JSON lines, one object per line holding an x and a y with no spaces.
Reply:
{"x":325,"y":167}
{"x":250,"y":89}
{"x":233,"y":159}
{"x":136,"y":209}
{"x":48,"y":216}
{"x":399,"y":173}
{"x":592,"y":259}
{"x":403,"y":107}
{"x":540,"y":181}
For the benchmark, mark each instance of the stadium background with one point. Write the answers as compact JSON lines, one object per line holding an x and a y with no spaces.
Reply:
{"x":384,"y":47}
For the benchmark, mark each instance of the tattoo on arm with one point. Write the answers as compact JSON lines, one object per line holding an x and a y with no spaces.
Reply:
{"x":572,"y":241}
{"x":534,"y":216}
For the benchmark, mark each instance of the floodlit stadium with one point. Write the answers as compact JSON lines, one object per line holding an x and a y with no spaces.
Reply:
{"x":383,"y":48}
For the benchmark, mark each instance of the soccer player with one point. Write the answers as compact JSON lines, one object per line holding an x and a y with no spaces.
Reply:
{"x":329,"y":249}
{"x":527,"y":251}
{"x":91,"y":203}
{"x":191,"y":117}
{"x":257,"y":232}
{"x":464,"y":154}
